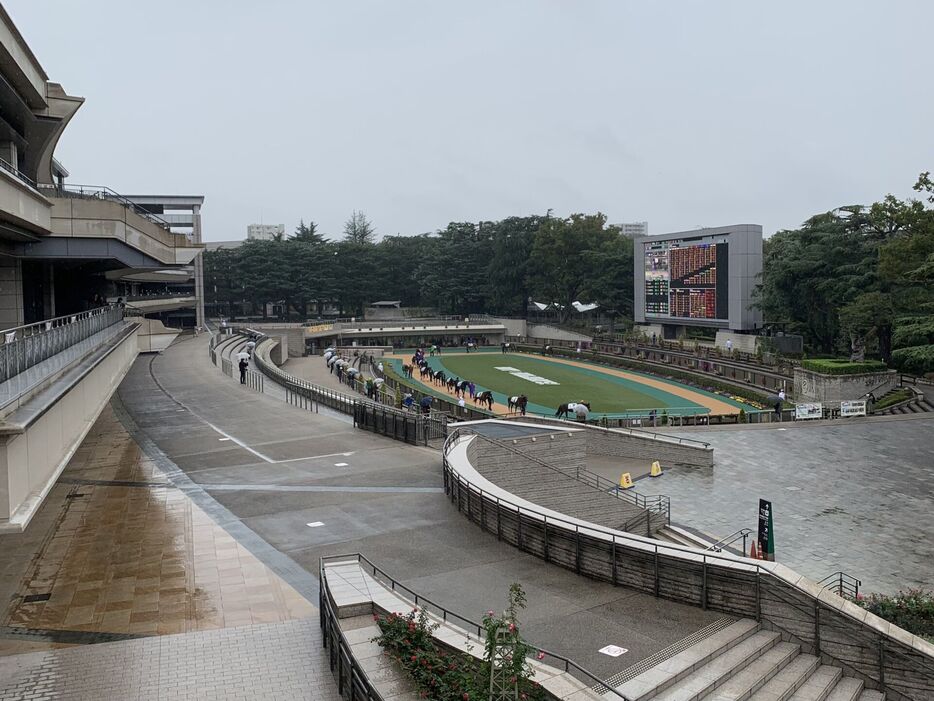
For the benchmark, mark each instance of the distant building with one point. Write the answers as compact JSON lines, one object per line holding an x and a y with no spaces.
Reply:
{"x":218,"y":245}
{"x":265,"y":232}
{"x":636,"y":228}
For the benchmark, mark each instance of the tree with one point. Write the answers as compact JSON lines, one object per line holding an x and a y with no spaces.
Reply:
{"x":307,"y":233}
{"x":359,"y":230}
{"x":573,"y":258}
{"x":509,"y":265}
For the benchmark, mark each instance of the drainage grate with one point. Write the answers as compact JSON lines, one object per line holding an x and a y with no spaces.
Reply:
{"x":75,"y":496}
{"x":32,"y":598}
{"x":653,"y":660}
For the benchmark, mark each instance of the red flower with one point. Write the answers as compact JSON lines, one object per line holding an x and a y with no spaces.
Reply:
{"x":466,"y":696}
{"x":512,"y":627}
{"x":541,"y":655}
{"x":414,"y":658}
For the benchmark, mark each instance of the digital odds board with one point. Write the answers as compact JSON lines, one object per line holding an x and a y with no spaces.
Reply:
{"x":687,"y":278}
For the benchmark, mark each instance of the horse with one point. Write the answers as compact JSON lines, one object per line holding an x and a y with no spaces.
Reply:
{"x":566,"y":409}
{"x":406,"y":370}
{"x":462,"y":387}
{"x":452,"y":384}
{"x":518,"y":403}
{"x":484,"y":397}
{"x":440,"y":378}
{"x":423,"y":370}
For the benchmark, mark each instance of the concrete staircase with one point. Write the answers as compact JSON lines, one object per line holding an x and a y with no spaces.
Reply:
{"x":919,"y":404}
{"x":741,"y":661}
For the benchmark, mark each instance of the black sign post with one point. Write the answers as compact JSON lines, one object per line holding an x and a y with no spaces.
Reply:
{"x":766,"y":533}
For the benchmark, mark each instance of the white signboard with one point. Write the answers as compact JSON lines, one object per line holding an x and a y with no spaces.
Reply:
{"x":855,"y":408}
{"x":808,"y":411}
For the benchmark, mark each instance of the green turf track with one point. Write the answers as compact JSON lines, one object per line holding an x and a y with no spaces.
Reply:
{"x":607,"y":394}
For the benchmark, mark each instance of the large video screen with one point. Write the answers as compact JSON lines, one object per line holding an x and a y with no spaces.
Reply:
{"x":687,"y":278}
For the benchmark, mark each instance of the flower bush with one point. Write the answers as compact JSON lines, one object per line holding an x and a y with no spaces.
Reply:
{"x":912,"y":610}
{"x":441,"y":675}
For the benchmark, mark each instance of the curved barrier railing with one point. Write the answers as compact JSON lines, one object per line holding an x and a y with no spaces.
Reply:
{"x":399,"y":424}
{"x":448,"y":616}
{"x":821,"y":621}
{"x":352,"y":682}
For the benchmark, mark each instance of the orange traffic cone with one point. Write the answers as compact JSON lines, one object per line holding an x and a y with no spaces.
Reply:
{"x":753,"y":551}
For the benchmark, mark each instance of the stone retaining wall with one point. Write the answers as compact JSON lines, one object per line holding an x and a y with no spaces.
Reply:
{"x":830,"y":390}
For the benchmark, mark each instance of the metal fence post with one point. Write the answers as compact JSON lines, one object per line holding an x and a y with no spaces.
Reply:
{"x":577,"y":538}
{"x":613,"y":564}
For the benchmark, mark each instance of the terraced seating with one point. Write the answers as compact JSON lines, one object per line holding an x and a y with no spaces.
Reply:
{"x":554,"y":489}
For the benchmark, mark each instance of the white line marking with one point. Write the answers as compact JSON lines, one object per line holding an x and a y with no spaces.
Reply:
{"x":315,"y":457}
{"x":315,"y":524}
{"x":243,"y":445}
{"x":340,"y":464}
{"x":223,"y":439}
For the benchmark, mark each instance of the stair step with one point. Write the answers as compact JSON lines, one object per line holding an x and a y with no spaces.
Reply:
{"x":847,"y":689}
{"x":789,"y":680}
{"x":721,"y":669}
{"x":870,"y":695}
{"x":755,"y":675}
{"x":819,"y":685}
{"x":655,"y":680}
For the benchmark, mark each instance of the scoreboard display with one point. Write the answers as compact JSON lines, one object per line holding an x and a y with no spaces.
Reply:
{"x":687,"y":278}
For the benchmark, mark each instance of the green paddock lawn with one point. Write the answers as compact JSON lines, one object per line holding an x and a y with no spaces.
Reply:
{"x":605,"y":393}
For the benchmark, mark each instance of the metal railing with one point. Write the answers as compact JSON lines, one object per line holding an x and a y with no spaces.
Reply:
{"x":25,"y":346}
{"x":635,"y":432}
{"x":352,"y":681}
{"x":100,"y":192}
{"x":19,"y":175}
{"x":448,"y":616}
{"x":842,"y":584}
{"x":723,"y":543}
{"x":400,"y":424}
{"x":737,"y":586}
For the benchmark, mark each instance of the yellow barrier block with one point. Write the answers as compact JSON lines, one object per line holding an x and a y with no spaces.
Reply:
{"x":625,"y":481}
{"x":656,"y":469}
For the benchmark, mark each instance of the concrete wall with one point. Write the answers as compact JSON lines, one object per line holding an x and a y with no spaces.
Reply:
{"x":564,"y":450}
{"x":31,"y":460}
{"x":830,"y":390}
{"x":741,"y":341}
{"x":623,"y":443}
{"x":548,"y":331}
{"x":11,"y":292}
{"x":294,"y":336}
{"x":22,"y":205}
{"x":105,"y":219}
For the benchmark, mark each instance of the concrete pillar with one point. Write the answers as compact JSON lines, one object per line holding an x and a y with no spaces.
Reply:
{"x":11,"y":292}
{"x":50,"y":292}
{"x":199,"y":266}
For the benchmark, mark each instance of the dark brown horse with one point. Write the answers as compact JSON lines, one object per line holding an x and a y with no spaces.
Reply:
{"x":518,"y":403}
{"x":485,"y":397}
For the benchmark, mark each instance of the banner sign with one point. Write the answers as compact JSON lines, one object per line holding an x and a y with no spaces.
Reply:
{"x":809,"y":411}
{"x":857,"y":408}
{"x":766,"y":535}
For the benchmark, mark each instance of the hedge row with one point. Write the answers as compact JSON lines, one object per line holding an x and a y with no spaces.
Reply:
{"x":836,"y":366}
{"x":914,"y":360}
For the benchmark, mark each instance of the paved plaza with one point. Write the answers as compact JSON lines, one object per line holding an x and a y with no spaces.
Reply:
{"x":177,"y":556}
{"x":852,"y":496}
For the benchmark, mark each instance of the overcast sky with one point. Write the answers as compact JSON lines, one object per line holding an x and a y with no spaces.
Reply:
{"x":420,"y":113}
